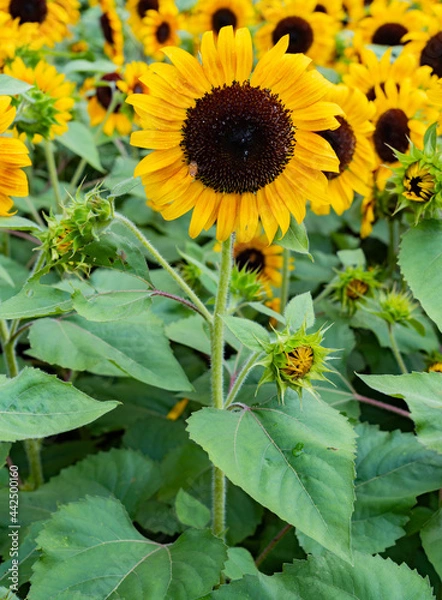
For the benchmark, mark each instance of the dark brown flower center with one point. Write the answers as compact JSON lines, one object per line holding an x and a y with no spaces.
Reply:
{"x":105,"y":93}
{"x":299,"y":31}
{"x":389,"y":34}
{"x":343,"y":142}
{"x":106,"y":28}
{"x":432,"y":54}
{"x":28,"y":11}
{"x":250,"y":259}
{"x":238,"y":137}
{"x":320,"y":8}
{"x":163,"y":32}
{"x":144,"y":5}
{"x":391,"y":130}
{"x":222,"y":18}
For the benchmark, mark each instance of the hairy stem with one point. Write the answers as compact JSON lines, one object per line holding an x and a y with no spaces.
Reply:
{"x":285,"y":284}
{"x":240,"y":378}
{"x":53,"y":176}
{"x":278,"y":537}
{"x":395,"y":350}
{"x":383,"y":405}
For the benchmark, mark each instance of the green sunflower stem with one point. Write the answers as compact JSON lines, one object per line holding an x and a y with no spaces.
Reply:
{"x":53,"y":175}
{"x":241,"y":377}
{"x":285,"y":284}
{"x":395,"y":350}
{"x":217,"y":377}
{"x":166,"y":266}
{"x":32,"y":447}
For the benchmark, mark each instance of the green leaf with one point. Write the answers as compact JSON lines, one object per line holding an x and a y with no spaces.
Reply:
{"x":4,"y":452}
{"x":431,"y":535}
{"x":239,"y":563}
{"x":250,"y":334}
{"x":36,"y":300}
{"x":155,"y":436}
{"x":111,"y":306}
{"x":190,"y":332}
{"x":10,"y":86}
{"x":191,"y":511}
{"x":296,"y":239}
{"x":420,"y":260}
{"x":352,"y":258}
{"x":299,"y":311}
{"x":36,"y":405}
{"x":27,"y":555}
{"x":423,"y":394}
{"x":127,"y":186}
{"x":92,"y":547}
{"x":6,"y":594}
{"x":87,"y":66}
{"x":18,"y":223}
{"x":136,"y":347}
{"x":393,"y":468}
{"x":330,"y":578}
{"x":80,"y":140}
{"x":303,"y":462}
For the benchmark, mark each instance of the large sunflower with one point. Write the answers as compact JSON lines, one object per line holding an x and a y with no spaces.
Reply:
{"x":53,"y":17}
{"x":52,"y":96}
{"x":310,"y":32}
{"x":236,"y":147}
{"x":212,"y":15}
{"x":112,"y":30}
{"x":352,"y":146}
{"x":13,"y":157}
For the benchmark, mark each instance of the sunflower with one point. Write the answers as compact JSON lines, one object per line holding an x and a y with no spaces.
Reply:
{"x":236,"y":147}
{"x":14,"y":36}
{"x":160,"y":29}
{"x":309,"y":31}
{"x":112,"y":31}
{"x":427,"y":43}
{"x":352,"y":146}
{"x":333,"y":8}
{"x":50,"y":110}
{"x":138,"y":9}
{"x":100,"y":95}
{"x":212,"y":15}
{"x":52,"y":17}
{"x":13,"y":156}
{"x":387,"y":22}
{"x":260,"y":257}
{"x":399,"y":108}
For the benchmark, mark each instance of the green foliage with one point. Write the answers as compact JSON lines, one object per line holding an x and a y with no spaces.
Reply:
{"x":431,"y":534}
{"x":79,"y":139}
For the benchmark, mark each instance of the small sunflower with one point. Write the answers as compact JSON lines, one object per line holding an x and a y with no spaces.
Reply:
{"x":131,"y":75}
{"x":13,"y":157}
{"x":426,"y":44}
{"x":52,"y":17}
{"x":112,"y":30}
{"x":387,"y":22}
{"x":50,"y":101}
{"x":333,"y":8}
{"x":236,"y":147}
{"x":351,"y":143}
{"x":100,"y":94}
{"x":138,"y":9}
{"x":212,"y":15}
{"x":310,"y":32}
{"x":261,"y":258}
{"x":160,"y":29}
{"x":14,"y":36}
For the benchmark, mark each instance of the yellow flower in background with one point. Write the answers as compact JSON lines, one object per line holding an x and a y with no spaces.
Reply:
{"x":310,"y":32}
{"x":213,"y":15}
{"x":426,"y":43}
{"x":351,"y":143}
{"x":13,"y":157}
{"x":100,"y":94}
{"x":14,"y":36}
{"x":160,"y":29}
{"x":52,"y":17}
{"x":138,"y":9}
{"x":260,"y":257}
{"x":112,"y":30}
{"x":50,"y":101}
{"x":235,"y":147}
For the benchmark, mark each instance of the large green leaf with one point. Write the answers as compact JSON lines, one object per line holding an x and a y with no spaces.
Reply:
{"x":10,"y":86}
{"x":252,"y":335}
{"x":296,"y":238}
{"x":423,"y":394}
{"x":135,"y":347}
{"x":80,"y":140}
{"x":329,"y":578}
{"x":18,"y":223}
{"x":420,"y":260}
{"x":297,"y":460}
{"x":92,"y":547}
{"x":431,"y":535}
{"x":112,"y":306}
{"x":35,"y":405}
{"x":393,"y":468}
{"x":36,"y":300}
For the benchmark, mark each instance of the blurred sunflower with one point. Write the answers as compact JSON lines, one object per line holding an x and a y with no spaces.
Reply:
{"x":387,"y":22}
{"x":426,"y":44}
{"x":13,"y":157}
{"x":50,"y":101}
{"x":333,"y":8}
{"x":260,"y":257}
{"x":233,"y":146}
{"x":160,"y":29}
{"x":100,"y":95}
{"x":131,"y":75}
{"x":212,"y":15}
{"x":309,"y":31}
{"x":112,"y":30}
{"x":351,"y":143}
{"x":14,"y":36}
{"x":52,"y":17}
{"x":137,"y":10}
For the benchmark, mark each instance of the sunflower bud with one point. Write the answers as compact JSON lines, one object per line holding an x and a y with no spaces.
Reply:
{"x":248,"y":286}
{"x":294,"y":360}
{"x":68,"y":235}
{"x":353,"y":285}
{"x":396,"y":307}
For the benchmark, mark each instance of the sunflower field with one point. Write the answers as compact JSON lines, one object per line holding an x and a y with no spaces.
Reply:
{"x":220,"y":299}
